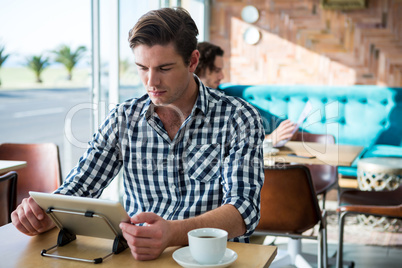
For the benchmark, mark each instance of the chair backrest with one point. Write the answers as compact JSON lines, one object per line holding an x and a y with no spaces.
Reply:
{"x":324,"y":176}
{"x":43,"y":171}
{"x":311,"y":137}
{"x":288,"y":200}
{"x":8,"y":183}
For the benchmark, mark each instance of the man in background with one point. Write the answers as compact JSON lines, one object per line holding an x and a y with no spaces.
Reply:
{"x":210,"y":71}
{"x":210,"y":66}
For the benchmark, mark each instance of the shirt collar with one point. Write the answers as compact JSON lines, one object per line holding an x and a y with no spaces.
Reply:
{"x":146,"y":106}
{"x":202,"y":101}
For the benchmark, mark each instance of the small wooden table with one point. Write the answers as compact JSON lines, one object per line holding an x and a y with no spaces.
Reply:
{"x":7,"y":165}
{"x":19,"y":250}
{"x":324,"y":154}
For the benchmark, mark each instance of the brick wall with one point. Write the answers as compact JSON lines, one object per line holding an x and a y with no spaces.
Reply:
{"x":303,"y":44}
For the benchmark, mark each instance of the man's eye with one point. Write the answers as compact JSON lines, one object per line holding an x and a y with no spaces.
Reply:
{"x":142,"y":68}
{"x":165,"y":69}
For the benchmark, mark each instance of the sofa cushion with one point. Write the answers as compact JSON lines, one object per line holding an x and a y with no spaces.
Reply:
{"x":382,"y":150}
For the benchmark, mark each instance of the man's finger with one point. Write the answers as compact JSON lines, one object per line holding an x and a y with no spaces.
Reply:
{"x":138,"y":231}
{"x":17,"y":223}
{"x":36,"y":209}
{"x":25,"y":222}
{"x":145,"y":217}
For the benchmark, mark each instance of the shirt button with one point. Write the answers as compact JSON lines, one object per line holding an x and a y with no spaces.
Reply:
{"x":171,"y":157}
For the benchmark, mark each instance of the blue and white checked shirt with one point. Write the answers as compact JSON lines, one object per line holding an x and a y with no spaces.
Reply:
{"x":214,"y":159}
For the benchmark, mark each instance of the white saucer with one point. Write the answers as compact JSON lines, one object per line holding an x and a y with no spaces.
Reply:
{"x":273,"y":151}
{"x":183,"y":257}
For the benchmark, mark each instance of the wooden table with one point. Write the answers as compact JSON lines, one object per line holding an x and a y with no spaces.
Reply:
{"x":7,"y":165}
{"x":324,"y":154}
{"x":19,"y":250}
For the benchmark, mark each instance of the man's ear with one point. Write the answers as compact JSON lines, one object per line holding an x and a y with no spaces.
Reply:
{"x":194,"y":60}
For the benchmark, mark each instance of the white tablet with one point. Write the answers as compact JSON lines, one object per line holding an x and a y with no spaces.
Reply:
{"x":83,"y":215}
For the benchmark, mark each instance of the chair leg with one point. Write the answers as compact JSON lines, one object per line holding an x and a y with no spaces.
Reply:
{"x":294,"y":248}
{"x":320,"y":244}
{"x":324,"y":196}
{"x":324,"y":240}
{"x":339,"y":255}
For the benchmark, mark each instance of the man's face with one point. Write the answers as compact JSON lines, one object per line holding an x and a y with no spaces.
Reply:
{"x":213,"y":78}
{"x":164,"y":74}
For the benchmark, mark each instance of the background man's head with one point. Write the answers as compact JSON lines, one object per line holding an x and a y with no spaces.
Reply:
{"x":210,"y":66}
{"x":165,"y":26}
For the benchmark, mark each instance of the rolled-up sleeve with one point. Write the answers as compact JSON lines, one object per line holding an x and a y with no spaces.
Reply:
{"x":243,"y":174}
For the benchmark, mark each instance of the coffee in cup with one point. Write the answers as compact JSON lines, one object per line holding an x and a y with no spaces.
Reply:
{"x":207,"y":245}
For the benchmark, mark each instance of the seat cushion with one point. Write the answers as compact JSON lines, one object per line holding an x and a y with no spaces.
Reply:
{"x":382,"y":150}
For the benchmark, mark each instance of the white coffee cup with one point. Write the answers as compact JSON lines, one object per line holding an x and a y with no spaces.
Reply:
{"x":207,"y":245}
{"x":267,"y":145}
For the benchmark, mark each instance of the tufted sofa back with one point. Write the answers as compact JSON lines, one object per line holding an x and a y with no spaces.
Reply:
{"x":356,"y":115}
{"x":368,"y":116}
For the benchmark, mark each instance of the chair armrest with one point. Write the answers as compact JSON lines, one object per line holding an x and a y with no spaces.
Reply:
{"x":387,"y":211}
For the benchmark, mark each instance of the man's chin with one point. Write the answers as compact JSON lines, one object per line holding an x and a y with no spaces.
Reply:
{"x":159,"y":102}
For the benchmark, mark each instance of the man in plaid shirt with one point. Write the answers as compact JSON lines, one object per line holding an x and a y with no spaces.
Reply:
{"x":191,"y":157}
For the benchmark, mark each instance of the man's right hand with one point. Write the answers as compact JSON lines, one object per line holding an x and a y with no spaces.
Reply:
{"x":30,"y":219}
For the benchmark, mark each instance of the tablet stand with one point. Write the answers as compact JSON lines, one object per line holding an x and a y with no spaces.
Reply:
{"x":65,"y":236}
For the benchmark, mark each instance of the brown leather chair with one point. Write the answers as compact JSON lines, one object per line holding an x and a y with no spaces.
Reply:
{"x":325,"y":177}
{"x":289,"y":207}
{"x":43,"y":170}
{"x":8,"y":183}
{"x":381,"y":203}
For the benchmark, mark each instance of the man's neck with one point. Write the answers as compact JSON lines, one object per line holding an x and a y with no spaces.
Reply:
{"x":173,"y":115}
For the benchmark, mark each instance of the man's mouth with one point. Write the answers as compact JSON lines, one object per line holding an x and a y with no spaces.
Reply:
{"x":156,"y":93}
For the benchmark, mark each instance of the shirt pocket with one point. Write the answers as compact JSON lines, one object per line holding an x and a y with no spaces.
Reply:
{"x":203,"y":162}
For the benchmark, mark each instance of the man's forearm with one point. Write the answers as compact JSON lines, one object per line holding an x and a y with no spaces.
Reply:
{"x":226,"y":217}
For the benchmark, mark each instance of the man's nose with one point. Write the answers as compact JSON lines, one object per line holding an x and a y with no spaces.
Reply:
{"x":153,"y":78}
{"x":221,"y":75}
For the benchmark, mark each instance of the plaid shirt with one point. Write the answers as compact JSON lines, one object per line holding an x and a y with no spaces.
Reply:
{"x":214,"y":159}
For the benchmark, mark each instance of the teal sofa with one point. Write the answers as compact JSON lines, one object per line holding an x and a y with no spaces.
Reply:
{"x":368,"y":116}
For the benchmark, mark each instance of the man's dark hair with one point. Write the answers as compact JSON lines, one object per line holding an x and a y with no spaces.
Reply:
{"x":208,"y":53}
{"x":165,"y":26}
